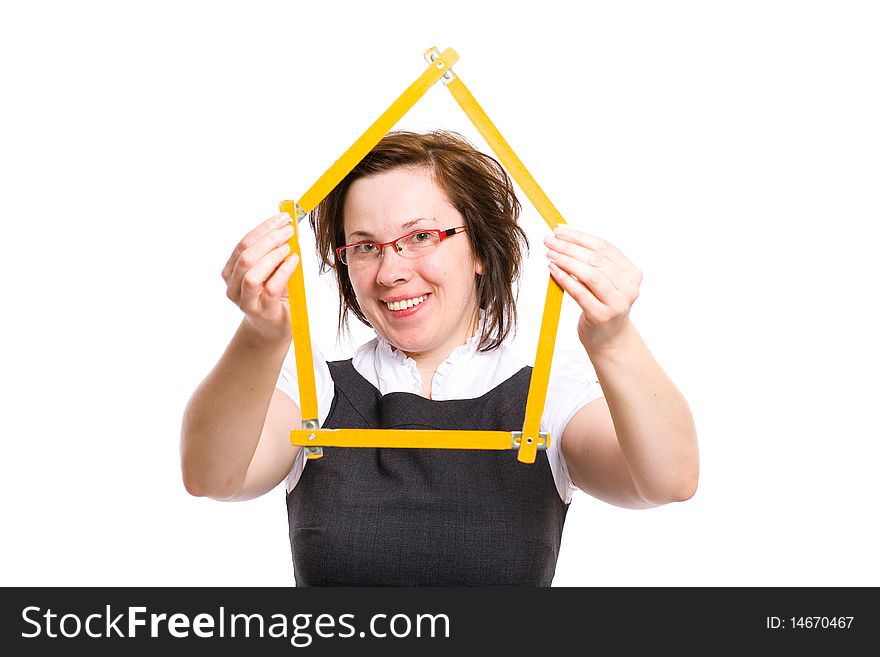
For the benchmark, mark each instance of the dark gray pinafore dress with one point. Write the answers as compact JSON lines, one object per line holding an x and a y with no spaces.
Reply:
{"x":424,"y":517}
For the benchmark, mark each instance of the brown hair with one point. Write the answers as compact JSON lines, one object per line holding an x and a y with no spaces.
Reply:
{"x":476,"y":185}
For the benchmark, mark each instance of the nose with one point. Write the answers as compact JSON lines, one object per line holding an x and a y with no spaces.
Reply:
{"x":393,"y":268}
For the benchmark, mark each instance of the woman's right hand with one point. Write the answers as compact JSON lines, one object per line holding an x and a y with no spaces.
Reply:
{"x":256,"y":277}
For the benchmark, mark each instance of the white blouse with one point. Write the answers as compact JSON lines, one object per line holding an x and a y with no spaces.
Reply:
{"x":466,"y":374}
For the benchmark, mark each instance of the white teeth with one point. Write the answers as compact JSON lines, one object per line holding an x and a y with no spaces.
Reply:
{"x":406,"y":303}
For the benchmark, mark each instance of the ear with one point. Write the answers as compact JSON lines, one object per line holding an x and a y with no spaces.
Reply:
{"x":478,"y":267}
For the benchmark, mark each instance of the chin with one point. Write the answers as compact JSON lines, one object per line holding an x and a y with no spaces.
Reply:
{"x":410,"y":346}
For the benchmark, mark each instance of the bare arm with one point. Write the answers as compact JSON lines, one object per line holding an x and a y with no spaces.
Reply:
{"x":235,"y":441}
{"x":235,"y":432}
{"x":637,"y":447}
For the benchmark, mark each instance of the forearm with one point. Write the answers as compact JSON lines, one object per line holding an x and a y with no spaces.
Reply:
{"x":224,"y":418}
{"x":652,"y":420}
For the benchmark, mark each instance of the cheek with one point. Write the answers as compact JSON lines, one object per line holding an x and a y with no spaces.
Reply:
{"x":359,"y":283}
{"x":431,"y":269}
{"x":458,"y":270}
{"x":461,"y":280}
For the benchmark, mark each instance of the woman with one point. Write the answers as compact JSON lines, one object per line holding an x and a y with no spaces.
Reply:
{"x":423,"y":240}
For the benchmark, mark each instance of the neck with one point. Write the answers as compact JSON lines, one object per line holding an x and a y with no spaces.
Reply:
{"x":429,"y":361}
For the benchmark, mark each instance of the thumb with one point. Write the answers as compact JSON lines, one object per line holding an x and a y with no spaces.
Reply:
{"x":277,"y":283}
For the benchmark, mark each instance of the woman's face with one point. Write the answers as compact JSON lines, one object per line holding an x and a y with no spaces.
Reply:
{"x":386,"y":206}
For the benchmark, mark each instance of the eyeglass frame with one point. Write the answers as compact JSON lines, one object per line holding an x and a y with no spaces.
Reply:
{"x":441,"y":233}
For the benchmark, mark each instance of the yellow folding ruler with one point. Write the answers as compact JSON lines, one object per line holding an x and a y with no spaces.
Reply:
{"x":311,"y":436}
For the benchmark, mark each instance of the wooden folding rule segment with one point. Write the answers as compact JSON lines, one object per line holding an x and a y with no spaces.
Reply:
{"x":311,"y":436}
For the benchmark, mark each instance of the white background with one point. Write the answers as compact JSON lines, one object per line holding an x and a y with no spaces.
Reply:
{"x":730,"y":149}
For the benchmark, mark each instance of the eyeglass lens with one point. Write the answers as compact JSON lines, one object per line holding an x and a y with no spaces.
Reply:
{"x":408,"y":246}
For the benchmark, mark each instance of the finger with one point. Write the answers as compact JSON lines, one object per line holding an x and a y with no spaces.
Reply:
{"x":272,"y":223}
{"x":577,"y":291}
{"x":254,"y":279}
{"x":593,"y":278}
{"x":257,"y":251}
{"x":594,"y":243}
{"x":578,"y":257}
{"x":276,"y":285}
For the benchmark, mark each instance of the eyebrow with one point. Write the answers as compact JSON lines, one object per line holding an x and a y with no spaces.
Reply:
{"x":366,"y":235}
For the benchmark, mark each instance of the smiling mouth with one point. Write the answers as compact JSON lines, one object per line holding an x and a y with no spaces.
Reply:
{"x":405,"y":303}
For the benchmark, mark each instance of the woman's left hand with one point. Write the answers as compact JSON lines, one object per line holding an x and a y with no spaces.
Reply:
{"x":602,"y":281}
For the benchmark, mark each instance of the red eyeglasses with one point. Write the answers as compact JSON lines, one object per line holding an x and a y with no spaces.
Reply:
{"x":411,"y":245}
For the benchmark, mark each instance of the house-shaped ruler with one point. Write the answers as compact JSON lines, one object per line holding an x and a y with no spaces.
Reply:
{"x":311,"y":436}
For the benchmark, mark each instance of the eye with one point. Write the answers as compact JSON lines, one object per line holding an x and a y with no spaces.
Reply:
{"x":421,"y":237}
{"x":363,"y":249}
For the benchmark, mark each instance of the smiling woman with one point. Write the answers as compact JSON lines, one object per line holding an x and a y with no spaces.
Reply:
{"x":423,"y":178}
{"x":443,"y":278}
{"x":423,"y":240}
